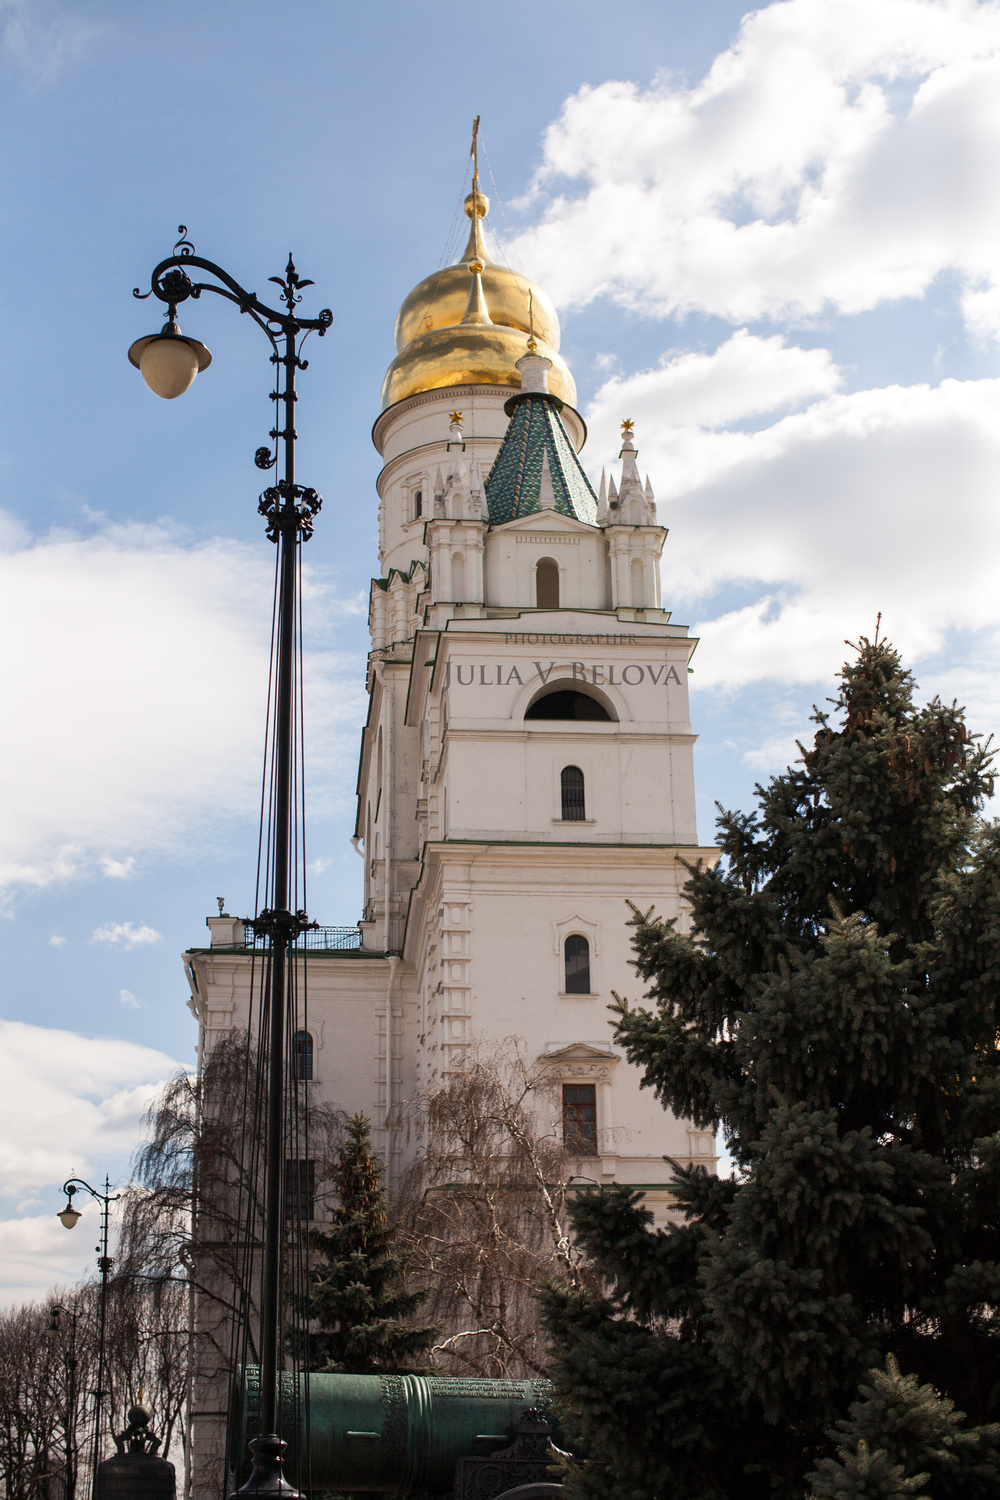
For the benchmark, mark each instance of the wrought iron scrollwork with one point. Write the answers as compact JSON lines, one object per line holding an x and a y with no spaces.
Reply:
{"x":283,"y":926}
{"x":183,"y":246}
{"x":286,"y":505}
{"x":172,"y":284}
{"x":289,"y":507}
{"x":528,"y":1460}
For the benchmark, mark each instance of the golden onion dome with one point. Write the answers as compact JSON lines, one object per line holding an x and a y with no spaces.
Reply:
{"x":467,"y":325}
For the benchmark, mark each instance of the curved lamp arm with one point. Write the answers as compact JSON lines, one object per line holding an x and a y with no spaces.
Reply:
{"x":70,"y":1216}
{"x":171,"y":283}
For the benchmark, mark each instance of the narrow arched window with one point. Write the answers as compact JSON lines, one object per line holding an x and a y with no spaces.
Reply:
{"x":458,"y":577}
{"x":418,"y":504}
{"x":576,"y":951}
{"x":302,"y":1056}
{"x":547,"y":583}
{"x":638,"y":584}
{"x":574,"y":808}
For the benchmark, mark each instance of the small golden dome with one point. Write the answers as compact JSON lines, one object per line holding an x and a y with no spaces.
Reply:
{"x":439,"y":344}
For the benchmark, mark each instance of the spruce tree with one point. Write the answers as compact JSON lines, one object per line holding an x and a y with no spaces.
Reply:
{"x":835,"y":1011}
{"x":903,"y":1434}
{"x":361,"y":1311}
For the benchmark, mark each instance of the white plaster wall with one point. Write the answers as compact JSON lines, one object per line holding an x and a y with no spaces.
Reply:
{"x":344,"y":993}
{"x":413,"y":439}
{"x":638,"y":789}
{"x":514,"y":549}
{"x":493,"y":986}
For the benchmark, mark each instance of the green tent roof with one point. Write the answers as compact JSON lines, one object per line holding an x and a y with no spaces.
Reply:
{"x":535,"y":434}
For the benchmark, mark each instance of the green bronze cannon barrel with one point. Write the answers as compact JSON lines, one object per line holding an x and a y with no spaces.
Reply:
{"x":386,"y":1432}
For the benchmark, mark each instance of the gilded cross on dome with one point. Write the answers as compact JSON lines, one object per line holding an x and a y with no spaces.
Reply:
{"x":467,"y":323}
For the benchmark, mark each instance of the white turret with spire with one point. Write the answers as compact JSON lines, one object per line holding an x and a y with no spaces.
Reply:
{"x":636,"y":538}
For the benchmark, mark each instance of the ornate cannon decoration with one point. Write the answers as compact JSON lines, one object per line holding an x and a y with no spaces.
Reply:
{"x":406,"y":1434}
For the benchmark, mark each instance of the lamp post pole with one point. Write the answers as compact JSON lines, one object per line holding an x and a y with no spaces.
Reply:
{"x":169,"y":362}
{"x":70,"y":1446}
{"x":69,"y":1217}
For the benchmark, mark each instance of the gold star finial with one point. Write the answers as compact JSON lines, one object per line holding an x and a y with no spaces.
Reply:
{"x":456,"y":417}
{"x":627,"y":427}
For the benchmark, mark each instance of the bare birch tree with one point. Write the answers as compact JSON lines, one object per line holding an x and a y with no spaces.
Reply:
{"x":48,"y":1375}
{"x":193,"y":1219}
{"x":485,"y":1211}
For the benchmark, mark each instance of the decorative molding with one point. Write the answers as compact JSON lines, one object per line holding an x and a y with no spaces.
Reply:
{"x":581,"y":1059}
{"x":587,"y":928}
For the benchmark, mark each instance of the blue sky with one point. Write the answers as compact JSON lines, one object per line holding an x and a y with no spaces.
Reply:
{"x":772,"y":243}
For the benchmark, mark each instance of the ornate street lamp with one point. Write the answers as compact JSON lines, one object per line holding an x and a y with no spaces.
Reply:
{"x":70,"y":1217}
{"x":169,"y":362}
{"x":53,"y":1331}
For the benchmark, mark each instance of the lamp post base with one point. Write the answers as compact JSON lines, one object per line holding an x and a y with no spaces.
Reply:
{"x":267,"y":1480}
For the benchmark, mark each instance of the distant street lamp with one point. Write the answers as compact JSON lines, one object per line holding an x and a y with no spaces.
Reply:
{"x":169,"y":362}
{"x":70,"y":1217}
{"x":53,"y":1331}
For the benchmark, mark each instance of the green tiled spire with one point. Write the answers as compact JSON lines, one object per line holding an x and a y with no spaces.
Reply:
{"x":515,"y":484}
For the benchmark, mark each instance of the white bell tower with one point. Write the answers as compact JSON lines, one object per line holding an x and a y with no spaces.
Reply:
{"x":526,"y":766}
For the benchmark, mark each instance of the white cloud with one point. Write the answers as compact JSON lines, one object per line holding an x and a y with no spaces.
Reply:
{"x":319,"y":866}
{"x":143,"y":672}
{"x":835,"y":157}
{"x":69,"y":1102}
{"x":37,"y":1254}
{"x":42,"y":38}
{"x":129,"y":1000}
{"x":55,"y":941}
{"x":689,"y":403}
{"x":126,"y":933}
{"x":882,"y":499}
{"x":70,"y":1106}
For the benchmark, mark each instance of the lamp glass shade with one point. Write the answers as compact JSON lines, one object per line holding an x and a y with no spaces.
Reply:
{"x":69,"y":1216}
{"x":168,"y":365}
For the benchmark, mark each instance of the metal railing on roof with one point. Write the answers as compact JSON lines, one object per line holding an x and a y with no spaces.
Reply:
{"x":336,"y":939}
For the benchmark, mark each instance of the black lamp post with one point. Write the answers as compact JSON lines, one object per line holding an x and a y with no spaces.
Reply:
{"x":70,"y":1217}
{"x":169,"y":362}
{"x":53,"y":1330}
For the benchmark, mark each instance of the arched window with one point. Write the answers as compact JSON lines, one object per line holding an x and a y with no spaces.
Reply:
{"x":567,"y":703}
{"x":418,"y":504}
{"x":576,"y":951}
{"x":302,"y":1056}
{"x":547,"y":583}
{"x":458,"y":577}
{"x":573,"y":806}
{"x":638,"y":584}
